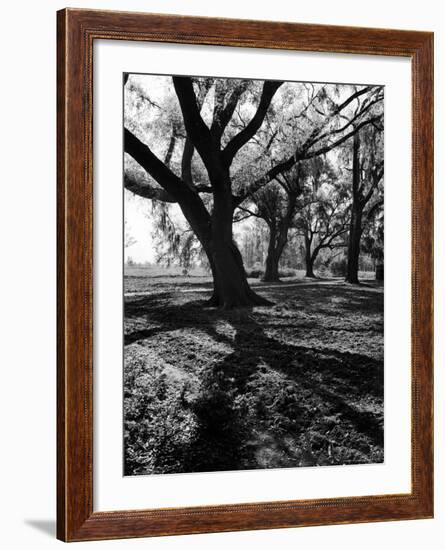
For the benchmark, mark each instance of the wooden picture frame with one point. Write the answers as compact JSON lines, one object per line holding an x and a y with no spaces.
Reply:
{"x":77,"y":31}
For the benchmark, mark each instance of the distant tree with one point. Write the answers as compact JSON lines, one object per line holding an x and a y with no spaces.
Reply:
{"x":311,"y":137}
{"x":367,"y":175}
{"x":275,"y":204}
{"x":222,"y":119}
{"x":373,"y":237}
{"x":322,"y":214}
{"x":129,"y":240}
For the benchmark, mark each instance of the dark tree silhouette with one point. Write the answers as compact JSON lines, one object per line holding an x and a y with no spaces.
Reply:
{"x":214,"y":230}
{"x":276,"y":205}
{"x":367,"y":173}
{"x":217,"y":144}
{"x":321,"y":222}
{"x":373,"y":236}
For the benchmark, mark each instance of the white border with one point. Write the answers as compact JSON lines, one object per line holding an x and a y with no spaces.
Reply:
{"x":112,"y":491}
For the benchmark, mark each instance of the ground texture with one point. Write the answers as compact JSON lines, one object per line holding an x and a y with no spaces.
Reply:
{"x":296,"y":384}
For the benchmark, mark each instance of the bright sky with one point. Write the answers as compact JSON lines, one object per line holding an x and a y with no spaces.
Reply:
{"x":137,"y":212}
{"x":138,"y":225}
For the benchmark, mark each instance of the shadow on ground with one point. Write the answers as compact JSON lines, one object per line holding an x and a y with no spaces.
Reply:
{"x":297,"y":384}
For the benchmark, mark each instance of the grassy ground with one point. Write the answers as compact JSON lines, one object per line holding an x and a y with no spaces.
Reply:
{"x":296,"y":384}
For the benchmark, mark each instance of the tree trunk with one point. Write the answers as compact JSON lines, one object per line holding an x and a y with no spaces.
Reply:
{"x":355,"y":227}
{"x":271,"y":274}
{"x":308,"y":257}
{"x":277,"y":242}
{"x":214,"y":231}
{"x":310,"y":268}
{"x":379,"y":271}
{"x":231,"y":288}
{"x":355,"y":233}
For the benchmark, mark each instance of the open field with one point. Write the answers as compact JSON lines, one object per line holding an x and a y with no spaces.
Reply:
{"x":296,"y":384}
{"x":151,"y":279}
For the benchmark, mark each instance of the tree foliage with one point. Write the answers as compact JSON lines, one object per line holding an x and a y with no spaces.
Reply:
{"x":228,"y":149}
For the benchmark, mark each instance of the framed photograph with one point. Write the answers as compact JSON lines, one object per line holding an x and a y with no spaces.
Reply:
{"x":245,"y":229}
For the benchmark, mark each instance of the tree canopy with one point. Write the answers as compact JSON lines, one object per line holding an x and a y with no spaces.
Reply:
{"x":225,"y":149}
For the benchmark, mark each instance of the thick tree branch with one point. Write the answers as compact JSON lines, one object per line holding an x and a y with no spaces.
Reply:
{"x":237,"y":219}
{"x":351,"y":98}
{"x":299,"y":155}
{"x":256,"y":214}
{"x":231,"y":149}
{"x":222,"y":115}
{"x":132,"y":183}
{"x":377,"y":175}
{"x":171,"y":147}
{"x":186,"y":162}
{"x":173,"y":188}
{"x":189,"y":148}
{"x":330,"y":146}
{"x":343,"y":128}
{"x":143,"y":155}
{"x":202,"y":188}
{"x":196,"y":128}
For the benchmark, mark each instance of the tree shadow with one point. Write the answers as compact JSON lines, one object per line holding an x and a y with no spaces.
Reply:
{"x":309,"y":393}
{"x":332,"y":375}
{"x":167,"y":315}
{"x":219,"y":442}
{"x":329,"y":299}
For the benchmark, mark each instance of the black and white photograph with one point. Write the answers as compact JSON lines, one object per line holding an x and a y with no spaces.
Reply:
{"x":223,"y":275}
{"x":253,"y":274}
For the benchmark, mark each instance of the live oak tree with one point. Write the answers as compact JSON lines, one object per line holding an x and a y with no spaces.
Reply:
{"x":323,"y":211}
{"x":364,"y":121}
{"x":200,"y":116}
{"x":373,"y":238}
{"x":312,"y":123}
{"x":276,"y":205}
{"x":367,"y":176}
{"x":212,"y":228}
{"x":173,"y":239}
